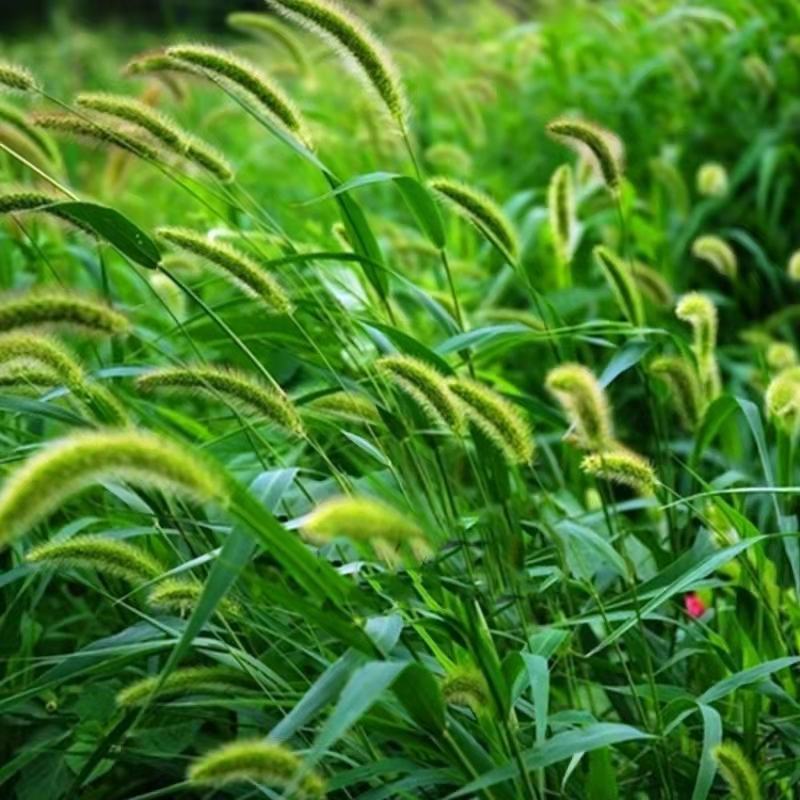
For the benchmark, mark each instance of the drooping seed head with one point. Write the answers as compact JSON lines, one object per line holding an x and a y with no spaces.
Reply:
{"x":698,"y":310}
{"x":684,"y":387}
{"x":622,"y":283}
{"x":109,"y":556}
{"x":499,"y":421}
{"x":357,"y":45}
{"x":738,"y":772}
{"x":712,"y":179}
{"x":235,"y":388}
{"x":346,"y":405}
{"x":57,"y":308}
{"x":783,"y":399}
{"x":793,"y":266}
{"x":25,"y":377}
{"x":561,"y":212}
{"x":238,"y":73}
{"x":449,"y":157}
{"x":367,"y":521}
{"x":480,"y":210}
{"x":265,"y":26}
{"x":585,"y":404}
{"x":718,"y":253}
{"x":15,"y":78}
{"x":42,"y":143}
{"x":154,"y":62}
{"x":258,"y":761}
{"x":35,"y":351}
{"x":598,"y":143}
{"x":426,"y":386}
{"x":67,"y":466}
{"x":466,"y":686}
{"x":233,"y":265}
{"x":623,"y":467}
{"x":780,"y":355}
{"x":651,"y":284}
{"x":186,"y":680}
{"x":169,"y":293}
{"x":181,"y":595}
{"x":760,"y":74}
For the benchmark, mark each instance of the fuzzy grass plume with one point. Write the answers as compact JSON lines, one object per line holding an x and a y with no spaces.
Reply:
{"x":466,"y":686}
{"x":680,"y":376}
{"x":346,"y":405}
{"x":426,"y":386}
{"x":623,"y":285}
{"x":187,"y":680}
{"x":181,"y":595}
{"x":597,"y":141}
{"x":233,"y":387}
{"x":355,"y":43}
{"x":697,"y":309}
{"x":15,"y":78}
{"x":561,"y":212}
{"x":367,"y":521}
{"x":718,"y":253}
{"x":238,"y":73}
{"x":782,"y":399}
{"x":480,"y":210}
{"x":651,"y":284}
{"x":585,"y":404}
{"x":161,"y":127}
{"x":499,"y":421}
{"x":738,"y":772}
{"x":65,"y":467}
{"x":712,"y":180}
{"x":793,"y":267}
{"x":255,"y":760}
{"x":109,"y":556}
{"x":233,"y":265}
{"x":56,"y":308}
{"x":44,"y":145}
{"x":780,"y":355}
{"x":623,"y":467}
{"x":264,"y":26}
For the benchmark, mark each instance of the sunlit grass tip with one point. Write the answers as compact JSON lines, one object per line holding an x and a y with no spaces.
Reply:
{"x":65,"y":467}
{"x":233,"y":265}
{"x":718,"y":253}
{"x":598,"y":143}
{"x":236,"y":388}
{"x":738,"y":772}
{"x":255,"y":760}
{"x":355,"y":43}
{"x":585,"y":404}
{"x":623,"y":467}
{"x":498,"y":419}
{"x":54,"y":307}
{"x":426,"y":386}
{"x":186,"y":680}
{"x":782,"y":399}
{"x":16,"y":78}
{"x":181,"y":595}
{"x":109,"y":556}
{"x":480,"y":210}
{"x":235,"y":71}
{"x":699,"y":311}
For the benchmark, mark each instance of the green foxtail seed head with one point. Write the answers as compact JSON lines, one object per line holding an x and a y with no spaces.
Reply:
{"x":24,"y":377}
{"x":232,"y":387}
{"x":426,"y":386}
{"x":712,"y":179}
{"x":265,"y":26}
{"x":109,"y":556}
{"x":357,"y":45}
{"x":759,"y":73}
{"x":585,"y":404}
{"x":12,"y":116}
{"x":181,"y":595}
{"x":783,"y":399}
{"x":499,"y":421}
{"x":19,"y":200}
{"x":81,"y":128}
{"x":780,"y":355}
{"x":718,"y":253}
{"x":161,"y":127}
{"x":793,"y":267}
{"x":623,"y":467}
{"x":187,"y":680}
{"x":52,"y":307}
{"x":447,"y":157}
{"x":737,"y":771}
{"x":480,"y":210}
{"x":16,"y":78}
{"x":651,"y":284}
{"x":36,"y":351}
{"x":170,"y":293}
{"x":240,"y":74}
{"x":622,"y":283}
{"x":561,"y":212}
{"x":346,"y":405}
{"x":233,"y":265}
{"x":698,"y":310}
{"x":680,"y":377}
{"x":154,"y":62}
{"x":597,"y":141}
{"x":255,"y":760}
{"x":67,"y":466}
{"x":466,"y":686}
{"x":365,"y":520}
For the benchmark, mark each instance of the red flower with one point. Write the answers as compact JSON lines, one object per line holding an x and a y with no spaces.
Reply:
{"x":694,"y":605}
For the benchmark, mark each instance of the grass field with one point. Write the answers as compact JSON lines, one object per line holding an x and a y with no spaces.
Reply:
{"x":402,"y":401}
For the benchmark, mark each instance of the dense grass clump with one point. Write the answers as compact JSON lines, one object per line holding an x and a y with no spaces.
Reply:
{"x":401,"y":399}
